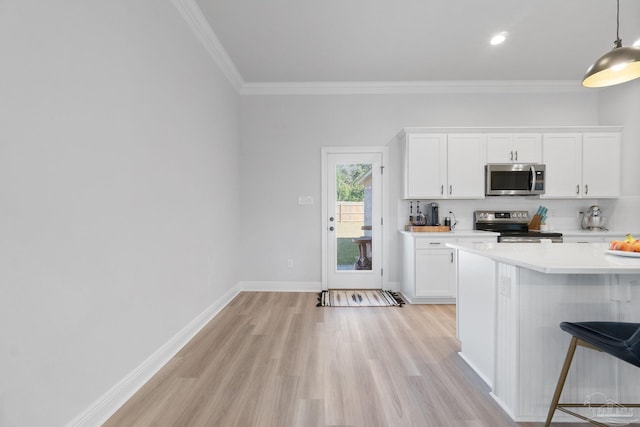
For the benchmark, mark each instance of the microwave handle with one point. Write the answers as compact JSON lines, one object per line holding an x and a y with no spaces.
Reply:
{"x":533,"y":178}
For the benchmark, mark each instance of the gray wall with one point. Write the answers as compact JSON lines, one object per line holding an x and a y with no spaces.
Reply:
{"x":118,"y":196}
{"x":281,"y":141}
{"x":134,"y":181}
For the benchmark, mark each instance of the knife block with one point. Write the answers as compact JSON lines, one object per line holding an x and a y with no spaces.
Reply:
{"x":534,"y":224}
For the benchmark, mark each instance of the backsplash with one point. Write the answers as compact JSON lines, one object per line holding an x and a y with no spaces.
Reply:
{"x":563,"y":214}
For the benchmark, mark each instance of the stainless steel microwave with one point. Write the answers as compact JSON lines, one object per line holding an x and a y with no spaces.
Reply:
{"x":514,"y":179}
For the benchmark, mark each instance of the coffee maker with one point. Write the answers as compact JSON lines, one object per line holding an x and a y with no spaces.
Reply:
{"x":432,"y":214}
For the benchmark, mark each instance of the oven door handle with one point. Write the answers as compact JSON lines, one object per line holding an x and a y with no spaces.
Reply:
{"x":532,"y":179}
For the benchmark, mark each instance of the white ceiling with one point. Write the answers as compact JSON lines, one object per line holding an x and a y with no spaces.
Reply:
{"x":295,"y":41}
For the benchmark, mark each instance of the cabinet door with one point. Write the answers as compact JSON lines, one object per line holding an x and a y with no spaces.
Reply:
{"x":435,"y":273}
{"x":562,"y":154}
{"x":466,"y":157}
{"x":601,"y":160}
{"x":514,"y":148}
{"x":500,"y":148}
{"x":527,"y":147}
{"x":425,"y":166}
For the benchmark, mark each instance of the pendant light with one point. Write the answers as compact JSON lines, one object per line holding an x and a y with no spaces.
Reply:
{"x":619,"y":65}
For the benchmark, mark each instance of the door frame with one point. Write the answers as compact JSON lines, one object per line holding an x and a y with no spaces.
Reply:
{"x":384,"y":151}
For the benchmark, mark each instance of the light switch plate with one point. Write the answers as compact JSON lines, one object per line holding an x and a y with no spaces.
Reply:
{"x":305,"y":200}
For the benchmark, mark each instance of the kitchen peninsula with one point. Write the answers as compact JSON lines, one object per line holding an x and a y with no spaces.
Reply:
{"x":511,"y":299}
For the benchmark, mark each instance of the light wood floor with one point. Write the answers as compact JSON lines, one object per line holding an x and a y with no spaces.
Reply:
{"x":277,"y":360}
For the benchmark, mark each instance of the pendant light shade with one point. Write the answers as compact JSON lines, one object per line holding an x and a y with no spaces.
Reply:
{"x":619,"y":65}
{"x":616,"y":66}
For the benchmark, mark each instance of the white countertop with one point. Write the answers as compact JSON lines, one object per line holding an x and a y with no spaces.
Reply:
{"x":556,"y":258}
{"x":454,"y":233}
{"x":599,"y":233}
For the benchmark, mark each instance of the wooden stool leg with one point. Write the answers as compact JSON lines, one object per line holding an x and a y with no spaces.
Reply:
{"x":561,"y":380}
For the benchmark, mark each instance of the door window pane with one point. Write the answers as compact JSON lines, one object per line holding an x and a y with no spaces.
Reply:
{"x":353,"y":216}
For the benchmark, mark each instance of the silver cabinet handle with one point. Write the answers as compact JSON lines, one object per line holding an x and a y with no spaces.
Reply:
{"x":442,"y":189}
{"x":435,"y":243}
{"x":516,"y":155}
{"x":450,"y":189}
{"x":451,"y":257}
{"x":511,"y":156}
{"x":578,"y":189}
{"x":586,"y":189}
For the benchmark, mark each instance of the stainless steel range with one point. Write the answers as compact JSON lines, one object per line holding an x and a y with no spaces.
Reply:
{"x":513,"y":227}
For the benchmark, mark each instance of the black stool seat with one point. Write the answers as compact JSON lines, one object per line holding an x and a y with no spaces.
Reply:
{"x":619,"y":339}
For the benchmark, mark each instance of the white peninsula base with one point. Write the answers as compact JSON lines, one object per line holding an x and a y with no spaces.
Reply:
{"x":509,"y":311}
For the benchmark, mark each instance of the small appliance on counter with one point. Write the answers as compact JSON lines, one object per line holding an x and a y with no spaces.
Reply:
{"x":592,"y":219}
{"x":432,"y":214}
{"x":428,"y":220}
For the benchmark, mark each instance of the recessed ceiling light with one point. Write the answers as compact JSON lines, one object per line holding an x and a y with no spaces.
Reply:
{"x":498,"y":38}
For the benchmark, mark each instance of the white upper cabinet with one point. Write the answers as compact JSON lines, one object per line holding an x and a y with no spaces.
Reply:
{"x":425,"y":161}
{"x":582,"y":165}
{"x":439,"y":166}
{"x":445,"y":164}
{"x":514,"y":148}
{"x":562,"y":155}
{"x":465,"y":166}
{"x":601,"y":164}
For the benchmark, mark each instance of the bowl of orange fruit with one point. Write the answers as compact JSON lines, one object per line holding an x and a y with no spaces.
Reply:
{"x":628,"y":247}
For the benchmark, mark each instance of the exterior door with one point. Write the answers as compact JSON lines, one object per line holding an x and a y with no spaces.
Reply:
{"x":352,"y":206}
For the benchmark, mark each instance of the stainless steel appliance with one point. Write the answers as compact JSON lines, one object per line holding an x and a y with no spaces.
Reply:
{"x":522,"y":179}
{"x":593,"y":219}
{"x":513,"y":227}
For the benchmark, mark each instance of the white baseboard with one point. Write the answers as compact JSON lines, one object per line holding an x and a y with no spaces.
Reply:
{"x":280,"y":286}
{"x":478,"y":372}
{"x":428,"y":300}
{"x":104,"y":407}
{"x":292,"y":286}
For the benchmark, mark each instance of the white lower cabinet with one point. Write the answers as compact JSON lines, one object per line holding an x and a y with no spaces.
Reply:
{"x":429,"y":268}
{"x":435,"y":273}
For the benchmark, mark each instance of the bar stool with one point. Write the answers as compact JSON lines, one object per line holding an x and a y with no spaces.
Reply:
{"x":619,"y":339}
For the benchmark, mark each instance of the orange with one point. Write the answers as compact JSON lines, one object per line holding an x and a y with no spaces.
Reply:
{"x":625,"y":246}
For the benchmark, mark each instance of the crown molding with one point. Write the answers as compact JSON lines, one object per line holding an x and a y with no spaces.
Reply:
{"x":194,"y":17}
{"x":416,"y":87}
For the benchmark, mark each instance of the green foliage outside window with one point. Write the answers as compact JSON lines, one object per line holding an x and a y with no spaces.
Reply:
{"x":346,"y":178}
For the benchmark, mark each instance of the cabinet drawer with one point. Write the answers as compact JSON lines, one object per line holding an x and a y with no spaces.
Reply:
{"x":433,"y":242}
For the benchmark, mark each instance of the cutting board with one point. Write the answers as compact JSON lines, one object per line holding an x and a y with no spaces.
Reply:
{"x":427,"y":228}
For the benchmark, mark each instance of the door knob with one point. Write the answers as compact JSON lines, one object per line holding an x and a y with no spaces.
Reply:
{"x":331,"y":228}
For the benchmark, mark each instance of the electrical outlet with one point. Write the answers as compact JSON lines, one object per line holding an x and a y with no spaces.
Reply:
{"x":290,"y":263}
